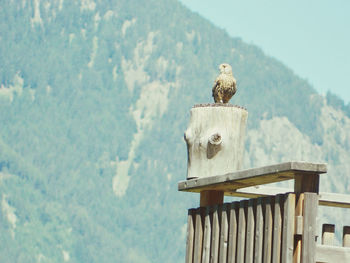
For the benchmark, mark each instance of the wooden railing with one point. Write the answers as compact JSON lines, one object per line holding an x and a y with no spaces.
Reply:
{"x":255,"y":230}
{"x":271,"y":226}
{"x":327,"y":252}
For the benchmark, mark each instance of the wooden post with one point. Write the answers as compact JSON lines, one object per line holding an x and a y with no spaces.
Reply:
{"x":215,"y":144}
{"x":209,"y":198}
{"x":328,"y":234}
{"x":346,"y":236}
{"x":215,"y":140}
{"x":309,"y":227}
{"x":306,"y":183}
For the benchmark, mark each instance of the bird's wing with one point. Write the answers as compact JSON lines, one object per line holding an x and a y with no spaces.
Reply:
{"x":216,"y":83}
{"x":234,"y":83}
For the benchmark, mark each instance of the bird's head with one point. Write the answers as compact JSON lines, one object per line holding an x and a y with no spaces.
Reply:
{"x":225,"y":68}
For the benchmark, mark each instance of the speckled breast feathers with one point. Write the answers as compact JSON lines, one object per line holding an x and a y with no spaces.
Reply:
{"x":225,"y":85}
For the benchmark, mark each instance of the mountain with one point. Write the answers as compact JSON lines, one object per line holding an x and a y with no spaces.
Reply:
{"x":94,"y":99}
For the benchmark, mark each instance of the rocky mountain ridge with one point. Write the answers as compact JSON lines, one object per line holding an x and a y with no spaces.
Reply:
{"x":94,"y":100}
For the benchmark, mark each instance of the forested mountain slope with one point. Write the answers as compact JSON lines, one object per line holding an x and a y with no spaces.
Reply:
{"x":94,"y":100}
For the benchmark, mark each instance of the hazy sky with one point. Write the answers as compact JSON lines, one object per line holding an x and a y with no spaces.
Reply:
{"x":310,"y":37}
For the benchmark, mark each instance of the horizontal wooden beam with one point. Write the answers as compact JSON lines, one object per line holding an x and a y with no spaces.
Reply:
{"x":332,"y":254}
{"x":336,"y":200}
{"x":325,"y":199}
{"x":252,"y":177}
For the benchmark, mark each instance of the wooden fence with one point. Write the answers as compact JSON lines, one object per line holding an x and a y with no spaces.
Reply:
{"x":268,"y":227}
{"x":262,"y":230}
{"x":327,"y":252}
{"x":245,"y":231}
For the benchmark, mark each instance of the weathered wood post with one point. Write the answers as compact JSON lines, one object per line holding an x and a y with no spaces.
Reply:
{"x":306,"y":188}
{"x":215,"y":144}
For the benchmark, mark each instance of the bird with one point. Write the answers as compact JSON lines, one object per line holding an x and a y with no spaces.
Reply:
{"x":224,"y":85}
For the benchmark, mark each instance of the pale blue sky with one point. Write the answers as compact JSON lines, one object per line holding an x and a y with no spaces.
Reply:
{"x":310,"y":37}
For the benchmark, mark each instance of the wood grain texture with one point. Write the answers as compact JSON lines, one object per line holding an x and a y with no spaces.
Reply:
{"x":215,"y":235}
{"x":306,"y":183}
{"x":206,"y":236}
{"x":331,"y":254}
{"x":277,"y":229}
{"x":232,"y":239}
{"x":268,"y":223}
{"x":209,"y":198}
{"x":288,"y":228}
{"x":241,"y":232}
{"x":249,"y":245}
{"x":309,"y":227}
{"x":190,"y":236}
{"x":298,"y":238}
{"x":211,"y":125}
{"x":325,"y":199}
{"x":224,"y":233}
{"x":251,"y":177}
{"x":198,"y":235}
{"x":259,"y":231}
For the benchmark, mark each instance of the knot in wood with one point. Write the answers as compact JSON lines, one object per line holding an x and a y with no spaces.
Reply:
{"x":215,"y":139}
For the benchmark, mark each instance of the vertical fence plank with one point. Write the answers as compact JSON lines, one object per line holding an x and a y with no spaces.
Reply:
{"x":198,"y":236}
{"x":215,"y":235}
{"x":224,"y":233}
{"x":232,"y":236}
{"x":267,"y":229}
{"x":206,"y":236}
{"x":328,"y":234}
{"x":309,"y":227}
{"x":241,"y":231}
{"x":277,"y":229}
{"x":259,"y":231}
{"x":288,"y":228}
{"x":190,"y":236}
{"x":249,"y":246}
{"x":297,"y":239}
{"x":346,"y":236}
